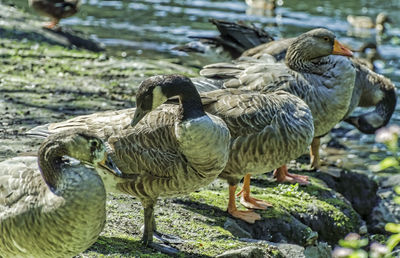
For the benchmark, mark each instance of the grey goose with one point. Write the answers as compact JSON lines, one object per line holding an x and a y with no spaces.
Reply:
{"x":52,"y":205}
{"x":314,"y":70}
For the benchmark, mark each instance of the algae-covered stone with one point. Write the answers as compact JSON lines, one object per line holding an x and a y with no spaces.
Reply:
{"x":246,"y":252}
{"x":235,"y":229}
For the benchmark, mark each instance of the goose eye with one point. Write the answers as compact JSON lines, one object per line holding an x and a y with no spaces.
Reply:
{"x":94,"y":145}
{"x":326,"y":39}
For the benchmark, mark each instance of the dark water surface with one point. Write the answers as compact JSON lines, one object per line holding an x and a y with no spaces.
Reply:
{"x":151,"y":28}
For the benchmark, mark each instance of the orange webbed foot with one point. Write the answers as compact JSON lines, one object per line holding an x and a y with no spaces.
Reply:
{"x":282,"y":175}
{"x":250,"y":202}
{"x":248,"y":216}
{"x":253,"y":203}
{"x":53,"y":25}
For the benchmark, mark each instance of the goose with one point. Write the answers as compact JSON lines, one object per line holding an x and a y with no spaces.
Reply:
{"x":370,"y":90}
{"x":316,"y":69}
{"x":261,"y":7}
{"x":365,"y":22}
{"x":267,"y":131}
{"x":55,"y":9}
{"x":53,"y":205}
{"x":162,"y":152}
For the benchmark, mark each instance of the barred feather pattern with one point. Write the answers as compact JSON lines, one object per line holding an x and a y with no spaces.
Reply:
{"x":268,"y":130}
{"x":327,"y":95}
{"x":171,"y":157}
{"x":167,"y":157}
{"x":38,"y":222}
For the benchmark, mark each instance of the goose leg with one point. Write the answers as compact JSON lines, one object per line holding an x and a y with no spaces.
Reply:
{"x":250,"y":202}
{"x":282,"y":175}
{"x":314,"y":153}
{"x":248,"y":216}
{"x":51,"y":25}
{"x":150,"y":231}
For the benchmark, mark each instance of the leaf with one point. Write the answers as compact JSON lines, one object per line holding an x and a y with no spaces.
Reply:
{"x":392,"y":227}
{"x":353,"y":244}
{"x":386,"y":163}
{"x":397,"y":189}
{"x":393,"y":241}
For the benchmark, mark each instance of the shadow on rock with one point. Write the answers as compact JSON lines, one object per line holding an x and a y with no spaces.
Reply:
{"x":121,"y":247}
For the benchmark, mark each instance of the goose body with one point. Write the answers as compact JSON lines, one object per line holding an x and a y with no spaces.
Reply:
{"x":57,"y":208}
{"x":268,"y":129}
{"x":165,"y":150}
{"x":55,"y":9}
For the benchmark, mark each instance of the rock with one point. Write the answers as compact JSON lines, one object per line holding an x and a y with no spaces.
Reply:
{"x":246,"y":252}
{"x":291,"y":250}
{"x":385,"y":211}
{"x":358,"y":188}
{"x":289,"y":230}
{"x":321,"y":250}
{"x":235,"y":229}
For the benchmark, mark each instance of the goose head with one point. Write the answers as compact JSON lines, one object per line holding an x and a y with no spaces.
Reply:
{"x":156,"y":90}
{"x":77,"y":144}
{"x":381,"y":20}
{"x":310,"y":47}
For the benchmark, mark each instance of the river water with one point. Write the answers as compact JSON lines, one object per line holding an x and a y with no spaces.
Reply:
{"x":150,"y":29}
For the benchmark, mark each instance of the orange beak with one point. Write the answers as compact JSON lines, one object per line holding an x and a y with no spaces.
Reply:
{"x":339,"y":49}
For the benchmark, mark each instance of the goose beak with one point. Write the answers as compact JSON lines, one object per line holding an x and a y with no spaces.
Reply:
{"x":139,"y":114}
{"x":339,"y":49}
{"x":109,"y":165}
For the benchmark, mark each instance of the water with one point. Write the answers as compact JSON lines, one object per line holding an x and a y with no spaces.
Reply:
{"x":149,"y":29}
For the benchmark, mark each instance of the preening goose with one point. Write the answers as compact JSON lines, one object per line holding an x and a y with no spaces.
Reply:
{"x":50,"y":205}
{"x":313,"y":71}
{"x":55,"y":9}
{"x":166,"y":151}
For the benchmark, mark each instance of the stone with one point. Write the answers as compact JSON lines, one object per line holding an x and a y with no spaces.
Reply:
{"x":246,"y":252}
{"x":235,"y":229}
{"x":291,"y":250}
{"x":320,"y":250}
{"x":385,"y":211}
{"x":357,"y":188}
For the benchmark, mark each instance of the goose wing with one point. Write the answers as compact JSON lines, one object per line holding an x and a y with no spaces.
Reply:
{"x":21,"y":186}
{"x":258,"y":75}
{"x":247,"y":112}
{"x":150,"y":148}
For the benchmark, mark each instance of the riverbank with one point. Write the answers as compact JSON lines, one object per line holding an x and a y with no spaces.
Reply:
{"x":44,"y":79}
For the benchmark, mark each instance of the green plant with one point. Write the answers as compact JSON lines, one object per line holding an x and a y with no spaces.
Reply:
{"x":352,"y":246}
{"x":389,"y":136}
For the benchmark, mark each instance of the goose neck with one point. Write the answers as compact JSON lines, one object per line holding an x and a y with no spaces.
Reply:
{"x":50,"y":161}
{"x":191,"y":106}
{"x":298,"y":61}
